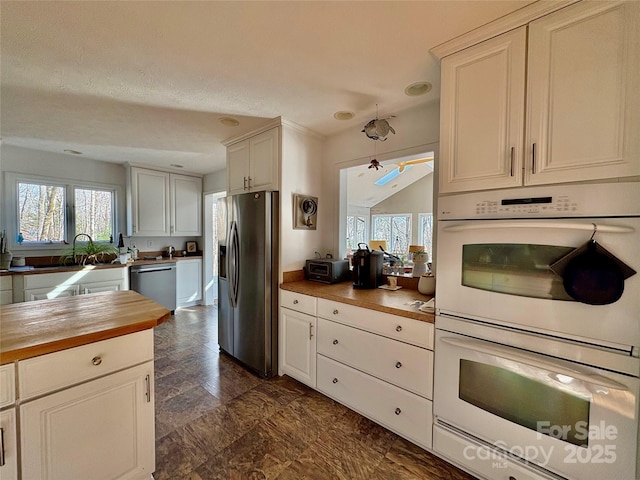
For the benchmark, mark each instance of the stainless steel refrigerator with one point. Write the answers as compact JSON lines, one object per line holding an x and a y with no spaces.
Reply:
{"x":248,"y":279}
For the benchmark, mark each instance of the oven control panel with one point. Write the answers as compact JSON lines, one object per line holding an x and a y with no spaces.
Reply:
{"x":559,"y":201}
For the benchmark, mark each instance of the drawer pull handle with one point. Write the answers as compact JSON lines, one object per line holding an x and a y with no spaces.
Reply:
{"x":335,"y":342}
{"x":295,"y":302}
{"x":398,"y":411}
{"x":335,"y":380}
{"x":398,"y":364}
{"x":96,"y":360}
{"x":399,"y":328}
{"x":335,"y":312}
{"x":2,"y":456}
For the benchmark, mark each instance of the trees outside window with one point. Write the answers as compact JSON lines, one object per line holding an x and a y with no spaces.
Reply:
{"x":425,"y":233}
{"x":48,"y":212}
{"x":395,"y":229}
{"x":355,"y":231}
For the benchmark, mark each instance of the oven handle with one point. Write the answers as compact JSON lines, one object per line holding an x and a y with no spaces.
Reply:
{"x":538,"y":224}
{"x":511,"y":354}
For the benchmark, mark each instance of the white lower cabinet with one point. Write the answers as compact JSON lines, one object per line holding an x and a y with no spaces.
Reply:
{"x":297,"y":346}
{"x":188,"y":282}
{"x":8,"y":445}
{"x":88,"y":412}
{"x":402,"y":412}
{"x":69,"y":283}
{"x":6,"y":290}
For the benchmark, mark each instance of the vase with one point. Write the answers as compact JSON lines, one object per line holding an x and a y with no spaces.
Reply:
{"x":5,"y":260}
{"x":427,"y":285}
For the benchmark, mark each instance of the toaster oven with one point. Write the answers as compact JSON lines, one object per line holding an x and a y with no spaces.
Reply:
{"x":327,"y":270}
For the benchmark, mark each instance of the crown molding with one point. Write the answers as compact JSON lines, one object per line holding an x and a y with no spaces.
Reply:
{"x":503,"y":24}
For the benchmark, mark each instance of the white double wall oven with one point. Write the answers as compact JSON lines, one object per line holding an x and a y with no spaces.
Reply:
{"x":527,"y":378}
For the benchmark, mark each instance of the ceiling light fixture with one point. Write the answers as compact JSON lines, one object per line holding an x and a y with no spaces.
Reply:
{"x":418,"y":88}
{"x":229,"y":122}
{"x":378,"y":128}
{"x":344,"y":115}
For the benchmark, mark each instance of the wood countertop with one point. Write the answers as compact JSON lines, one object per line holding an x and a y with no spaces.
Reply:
{"x":394,"y":302}
{"x":36,"y":328}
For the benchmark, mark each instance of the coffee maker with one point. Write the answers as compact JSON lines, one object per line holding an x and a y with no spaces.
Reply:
{"x":367,"y":267}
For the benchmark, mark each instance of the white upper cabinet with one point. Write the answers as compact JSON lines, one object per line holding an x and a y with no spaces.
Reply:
{"x":253,"y":163}
{"x":163,"y":204}
{"x":482,"y":115}
{"x":583,"y":107}
{"x":186,"y":205}
{"x":579,"y":120}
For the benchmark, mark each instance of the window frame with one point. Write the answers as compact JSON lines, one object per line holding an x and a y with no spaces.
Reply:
{"x":409,"y":218}
{"x":421,"y":241}
{"x":70,"y":186}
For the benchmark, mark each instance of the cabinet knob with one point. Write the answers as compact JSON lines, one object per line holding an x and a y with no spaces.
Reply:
{"x":335,"y":311}
{"x":398,"y":364}
{"x":335,"y":380}
{"x":96,"y":360}
{"x":295,"y":302}
{"x":398,"y":411}
{"x":335,"y":342}
{"x":399,"y":328}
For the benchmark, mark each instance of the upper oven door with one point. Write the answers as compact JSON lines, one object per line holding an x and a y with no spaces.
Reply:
{"x":498,"y":270}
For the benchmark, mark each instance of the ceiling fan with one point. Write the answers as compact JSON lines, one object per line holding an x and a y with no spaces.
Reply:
{"x":401,"y":167}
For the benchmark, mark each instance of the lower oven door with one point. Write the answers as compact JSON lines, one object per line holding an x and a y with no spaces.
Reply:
{"x":576,"y":421}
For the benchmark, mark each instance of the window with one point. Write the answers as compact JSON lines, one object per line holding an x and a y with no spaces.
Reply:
{"x":49,"y":211}
{"x":395,"y":229}
{"x":355,"y":231}
{"x":425,"y":233}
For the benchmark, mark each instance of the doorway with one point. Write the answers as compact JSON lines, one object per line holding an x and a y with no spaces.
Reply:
{"x":211,"y":247}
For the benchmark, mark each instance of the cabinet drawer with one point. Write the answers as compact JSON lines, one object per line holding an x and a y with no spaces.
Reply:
{"x":401,"y":364}
{"x":392,"y":326}
{"x":53,"y":371}
{"x":298,"y":301}
{"x":7,"y":385}
{"x":402,"y":412}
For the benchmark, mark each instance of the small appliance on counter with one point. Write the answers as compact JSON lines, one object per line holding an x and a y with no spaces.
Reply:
{"x":367,"y":267}
{"x":327,"y":270}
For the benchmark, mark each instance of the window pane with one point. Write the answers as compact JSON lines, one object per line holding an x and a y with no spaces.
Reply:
{"x":395,"y":229}
{"x":41,"y":212}
{"x":425,"y":234}
{"x":93,"y":213}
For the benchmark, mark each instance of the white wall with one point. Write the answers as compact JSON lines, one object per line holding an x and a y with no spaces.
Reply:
{"x":301,"y":173}
{"x":417,"y":130}
{"x":215,"y":182}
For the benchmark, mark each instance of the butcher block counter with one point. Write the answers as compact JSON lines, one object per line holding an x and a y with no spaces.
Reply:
{"x":36,"y":328}
{"x":394,"y":302}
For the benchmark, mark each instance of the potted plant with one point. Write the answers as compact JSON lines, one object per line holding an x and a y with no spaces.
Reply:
{"x":5,"y":255}
{"x":91,"y":253}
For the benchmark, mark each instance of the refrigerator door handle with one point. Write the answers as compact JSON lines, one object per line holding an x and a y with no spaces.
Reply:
{"x":234,"y":278}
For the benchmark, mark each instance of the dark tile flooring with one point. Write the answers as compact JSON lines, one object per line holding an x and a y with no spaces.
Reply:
{"x":215,"y":420}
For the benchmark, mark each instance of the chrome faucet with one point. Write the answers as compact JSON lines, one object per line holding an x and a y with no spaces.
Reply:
{"x":73,"y":249}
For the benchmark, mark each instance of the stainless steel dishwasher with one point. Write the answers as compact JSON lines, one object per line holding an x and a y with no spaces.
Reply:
{"x":157,"y":282}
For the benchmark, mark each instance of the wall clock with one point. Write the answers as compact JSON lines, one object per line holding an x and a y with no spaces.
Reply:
{"x":305,"y":211}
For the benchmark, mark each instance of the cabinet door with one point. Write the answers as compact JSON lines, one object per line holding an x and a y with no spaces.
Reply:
{"x":238,"y":167}
{"x":482,"y":115}
{"x":186,"y":205}
{"x":149,"y":203}
{"x":297,"y":346}
{"x":102,"y":429}
{"x":57,"y":291}
{"x":96,"y":287}
{"x":8,"y":445}
{"x":583,"y":103}
{"x":263,"y":171}
{"x":188,"y":282}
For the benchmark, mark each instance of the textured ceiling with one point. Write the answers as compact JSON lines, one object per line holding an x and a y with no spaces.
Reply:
{"x":147,"y":82}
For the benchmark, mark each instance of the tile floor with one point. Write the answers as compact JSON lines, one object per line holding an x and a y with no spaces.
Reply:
{"x":215,"y":420}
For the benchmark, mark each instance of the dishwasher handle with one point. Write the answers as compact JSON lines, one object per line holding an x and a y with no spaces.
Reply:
{"x":153,"y":270}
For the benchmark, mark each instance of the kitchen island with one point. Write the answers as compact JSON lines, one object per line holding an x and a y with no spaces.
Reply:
{"x":84,"y":370}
